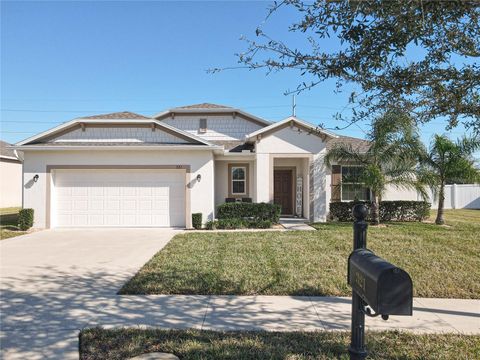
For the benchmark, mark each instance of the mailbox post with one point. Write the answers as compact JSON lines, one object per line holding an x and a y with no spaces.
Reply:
{"x":378,"y":287}
{"x":357,"y":341}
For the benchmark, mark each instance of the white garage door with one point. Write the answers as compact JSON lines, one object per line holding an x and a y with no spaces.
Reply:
{"x":118,"y":198}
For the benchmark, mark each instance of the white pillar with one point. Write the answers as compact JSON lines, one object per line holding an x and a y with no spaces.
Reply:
{"x":262,"y":174}
{"x":454,"y":196}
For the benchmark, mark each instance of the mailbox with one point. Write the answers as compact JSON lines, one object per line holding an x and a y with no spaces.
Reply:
{"x":386,"y":288}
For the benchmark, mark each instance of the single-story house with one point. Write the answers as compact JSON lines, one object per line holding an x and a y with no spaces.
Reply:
{"x":126,"y":169}
{"x":10,"y":177}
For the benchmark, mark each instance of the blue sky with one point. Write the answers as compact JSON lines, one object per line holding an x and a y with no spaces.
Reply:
{"x":62,"y":60}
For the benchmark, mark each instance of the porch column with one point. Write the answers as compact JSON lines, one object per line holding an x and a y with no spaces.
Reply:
{"x":262,"y":178}
{"x":319,"y":187}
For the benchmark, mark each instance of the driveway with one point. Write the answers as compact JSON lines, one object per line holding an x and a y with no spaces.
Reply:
{"x":55,"y":282}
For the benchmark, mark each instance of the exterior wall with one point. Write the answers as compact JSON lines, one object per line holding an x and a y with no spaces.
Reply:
{"x":119,"y":134}
{"x":221,"y":179}
{"x":308,"y":151}
{"x":395,"y":193}
{"x":10,"y":184}
{"x":219,"y":127}
{"x":201,"y":162}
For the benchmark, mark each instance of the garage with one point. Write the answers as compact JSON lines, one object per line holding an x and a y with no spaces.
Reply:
{"x":118,"y":197}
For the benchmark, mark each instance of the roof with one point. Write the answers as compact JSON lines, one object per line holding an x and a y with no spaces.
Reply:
{"x":356,"y":143}
{"x":71,"y":124}
{"x":233,"y":145}
{"x":285,"y":122}
{"x":118,"y":115}
{"x":210,"y":109}
{"x":204,"y":106}
{"x":5,"y":151}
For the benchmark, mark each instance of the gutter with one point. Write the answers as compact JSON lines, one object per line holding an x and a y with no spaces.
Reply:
{"x":116,"y":147}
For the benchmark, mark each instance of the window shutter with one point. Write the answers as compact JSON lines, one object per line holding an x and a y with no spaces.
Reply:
{"x":336,"y":182}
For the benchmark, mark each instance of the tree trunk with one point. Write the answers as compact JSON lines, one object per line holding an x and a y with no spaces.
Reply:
{"x":375,"y":209}
{"x":441,"y":203}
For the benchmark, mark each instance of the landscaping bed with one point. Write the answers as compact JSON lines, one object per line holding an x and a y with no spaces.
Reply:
{"x":442,"y":260}
{"x":99,"y":343}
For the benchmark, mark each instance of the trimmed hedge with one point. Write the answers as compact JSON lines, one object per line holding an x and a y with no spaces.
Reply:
{"x":25,"y":219}
{"x":197,"y":220}
{"x":236,"y":223}
{"x":252,"y":211}
{"x":389,"y":210}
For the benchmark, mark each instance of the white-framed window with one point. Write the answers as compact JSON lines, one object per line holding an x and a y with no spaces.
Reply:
{"x":352,"y":187}
{"x":202,"y":127}
{"x":239,"y":180}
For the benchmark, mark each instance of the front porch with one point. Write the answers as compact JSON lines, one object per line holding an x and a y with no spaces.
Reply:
{"x":283,"y":179}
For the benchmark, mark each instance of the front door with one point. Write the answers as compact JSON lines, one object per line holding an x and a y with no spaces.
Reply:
{"x":282,"y":190}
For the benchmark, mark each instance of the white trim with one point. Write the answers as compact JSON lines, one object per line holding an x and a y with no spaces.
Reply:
{"x":233,"y":167}
{"x":348,"y":183}
{"x":273,"y":126}
{"x":110,"y":122}
{"x":211,"y":111}
{"x":9,"y":157}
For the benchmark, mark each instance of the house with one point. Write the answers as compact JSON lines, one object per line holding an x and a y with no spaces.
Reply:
{"x":10,"y":177}
{"x":126,"y":169}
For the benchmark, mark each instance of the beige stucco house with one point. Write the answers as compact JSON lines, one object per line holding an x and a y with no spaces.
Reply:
{"x":10,"y":177}
{"x":125,"y":169}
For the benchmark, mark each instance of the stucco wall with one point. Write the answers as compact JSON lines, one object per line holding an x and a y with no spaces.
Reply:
{"x":10,"y":184}
{"x":201,"y":162}
{"x":288,"y":142}
{"x":219,"y":127}
{"x":221,"y":179}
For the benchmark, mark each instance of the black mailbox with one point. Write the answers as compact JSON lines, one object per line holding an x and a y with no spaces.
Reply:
{"x":386,"y":288}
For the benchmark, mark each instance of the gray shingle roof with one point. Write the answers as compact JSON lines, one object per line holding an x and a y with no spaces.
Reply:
{"x":118,"y":115}
{"x":356,"y":143}
{"x":4,"y":151}
{"x":204,"y":106}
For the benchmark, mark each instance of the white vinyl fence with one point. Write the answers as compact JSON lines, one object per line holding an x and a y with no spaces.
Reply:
{"x":465,"y":196}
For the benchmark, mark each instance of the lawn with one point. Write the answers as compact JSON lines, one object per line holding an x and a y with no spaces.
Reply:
{"x":99,"y":344}
{"x":443,"y":261}
{"x":8,"y":223}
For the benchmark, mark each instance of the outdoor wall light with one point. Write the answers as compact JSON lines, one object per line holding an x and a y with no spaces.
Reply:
{"x":199,"y":177}
{"x":35,"y":178}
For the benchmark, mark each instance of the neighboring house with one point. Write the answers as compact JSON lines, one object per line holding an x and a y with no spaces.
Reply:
{"x":125,"y":169}
{"x":10,"y":177}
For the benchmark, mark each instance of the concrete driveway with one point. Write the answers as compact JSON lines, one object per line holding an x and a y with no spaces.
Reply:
{"x":55,"y":282}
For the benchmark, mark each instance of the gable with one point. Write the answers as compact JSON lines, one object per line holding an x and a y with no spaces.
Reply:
{"x":290,"y":140}
{"x":118,"y":133}
{"x":220,"y":127}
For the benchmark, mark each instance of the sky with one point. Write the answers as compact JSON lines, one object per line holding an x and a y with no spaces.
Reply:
{"x":62,"y":60}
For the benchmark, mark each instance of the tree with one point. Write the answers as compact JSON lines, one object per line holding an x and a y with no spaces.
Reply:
{"x":448,"y":162}
{"x":390,"y":159}
{"x":439,"y":76}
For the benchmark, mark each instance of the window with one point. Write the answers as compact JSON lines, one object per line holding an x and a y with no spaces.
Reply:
{"x":203,"y":126}
{"x":239,"y":180}
{"x":352,"y":187}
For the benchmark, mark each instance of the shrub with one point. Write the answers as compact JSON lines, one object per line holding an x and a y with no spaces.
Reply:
{"x":232,"y":223}
{"x":245,"y":210}
{"x":197,"y":220}
{"x":260,"y":224}
{"x":389,"y":210}
{"x":25,"y":219}
{"x":211,"y":225}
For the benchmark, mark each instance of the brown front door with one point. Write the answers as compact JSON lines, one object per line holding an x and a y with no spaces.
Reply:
{"x":282,"y":190}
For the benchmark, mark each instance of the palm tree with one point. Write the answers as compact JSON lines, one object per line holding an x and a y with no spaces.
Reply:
{"x":447,"y":162}
{"x":390,"y":159}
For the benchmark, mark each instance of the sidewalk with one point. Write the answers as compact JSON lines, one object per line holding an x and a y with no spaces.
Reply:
{"x":33,"y":333}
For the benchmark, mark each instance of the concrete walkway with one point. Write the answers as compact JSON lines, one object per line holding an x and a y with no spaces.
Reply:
{"x":57,"y":282}
{"x":296,"y":224}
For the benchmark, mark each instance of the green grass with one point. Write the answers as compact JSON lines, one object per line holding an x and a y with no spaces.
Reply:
{"x":99,"y":344}
{"x":443,"y":261}
{"x":8,"y":223}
